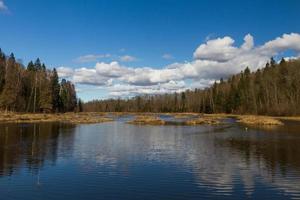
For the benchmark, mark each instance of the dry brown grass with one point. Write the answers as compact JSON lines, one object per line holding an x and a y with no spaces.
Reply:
{"x":204,"y":120}
{"x":75,"y":118}
{"x":184,"y":115}
{"x":258,"y":120}
{"x":221,"y":115}
{"x":147,"y":120}
{"x":293,"y":118}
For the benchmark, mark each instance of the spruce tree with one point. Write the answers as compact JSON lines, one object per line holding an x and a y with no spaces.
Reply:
{"x":80,"y":106}
{"x":55,"y":89}
{"x":30,"y":66}
{"x":37,"y":64}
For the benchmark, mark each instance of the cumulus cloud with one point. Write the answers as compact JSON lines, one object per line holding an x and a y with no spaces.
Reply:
{"x":119,"y":90}
{"x":65,"y":72}
{"x":214,"y":59}
{"x":219,"y":49}
{"x":3,"y":7}
{"x":248,"y":42}
{"x":111,"y":70}
{"x":127,"y":58}
{"x":83,"y":76}
{"x":287,"y":41}
{"x":91,"y":58}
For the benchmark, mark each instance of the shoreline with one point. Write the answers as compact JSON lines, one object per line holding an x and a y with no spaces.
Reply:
{"x":73,"y":118}
{"x":100,"y":117}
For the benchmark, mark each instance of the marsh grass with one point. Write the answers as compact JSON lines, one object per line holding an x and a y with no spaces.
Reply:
{"x":205,"y":120}
{"x":185,"y":115}
{"x":147,"y":120}
{"x":75,"y":118}
{"x":290,"y":118}
{"x":258,"y":120}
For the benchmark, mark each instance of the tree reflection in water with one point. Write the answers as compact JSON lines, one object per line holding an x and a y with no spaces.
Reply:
{"x":31,"y":145}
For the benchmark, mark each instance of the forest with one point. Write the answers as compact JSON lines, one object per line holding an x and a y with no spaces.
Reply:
{"x":272,"y":90}
{"x":33,"y":88}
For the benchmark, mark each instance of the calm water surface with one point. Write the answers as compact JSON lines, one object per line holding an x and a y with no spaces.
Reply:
{"x":116,"y":160}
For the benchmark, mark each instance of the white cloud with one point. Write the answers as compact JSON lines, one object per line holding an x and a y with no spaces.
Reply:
{"x":91,"y":57}
{"x":287,"y":41}
{"x":111,"y":70}
{"x":214,"y":59}
{"x":121,"y":90}
{"x":248,"y":42}
{"x":127,"y":58}
{"x":167,"y":56}
{"x":3,"y":7}
{"x":89,"y":76}
{"x":219,"y":49}
{"x":65,"y":72}
{"x":150,"y":76}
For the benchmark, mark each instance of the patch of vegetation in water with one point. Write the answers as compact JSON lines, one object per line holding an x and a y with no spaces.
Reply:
{"x":259,"y":120}
{"x":147,"y":120}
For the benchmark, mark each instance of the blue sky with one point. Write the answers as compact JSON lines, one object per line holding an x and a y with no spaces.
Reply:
{"x":137,"y":34}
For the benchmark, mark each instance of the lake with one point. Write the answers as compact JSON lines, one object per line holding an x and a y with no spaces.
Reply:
{"x":116,"y":160}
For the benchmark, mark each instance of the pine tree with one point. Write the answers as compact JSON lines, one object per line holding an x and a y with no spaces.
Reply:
{"x":68,"y":96}
{"x":43,"y":68}
{"x":272,"y":62}
{"x":38,"y":65}
{"x":80,"y":106}
{"x":55,"y":89}
{"x":30,"y":66}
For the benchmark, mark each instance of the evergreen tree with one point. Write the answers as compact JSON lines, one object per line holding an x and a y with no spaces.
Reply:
{"x":30,"y":66}
{"x":68,"y":96}
{"x":38,"y":65}
{"x":272,"y":62}
{"x":55,"y":90}
{"x":80,"y":106}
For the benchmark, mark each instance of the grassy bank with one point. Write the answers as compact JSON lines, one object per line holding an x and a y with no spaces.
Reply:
{"x":74,"y":118}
